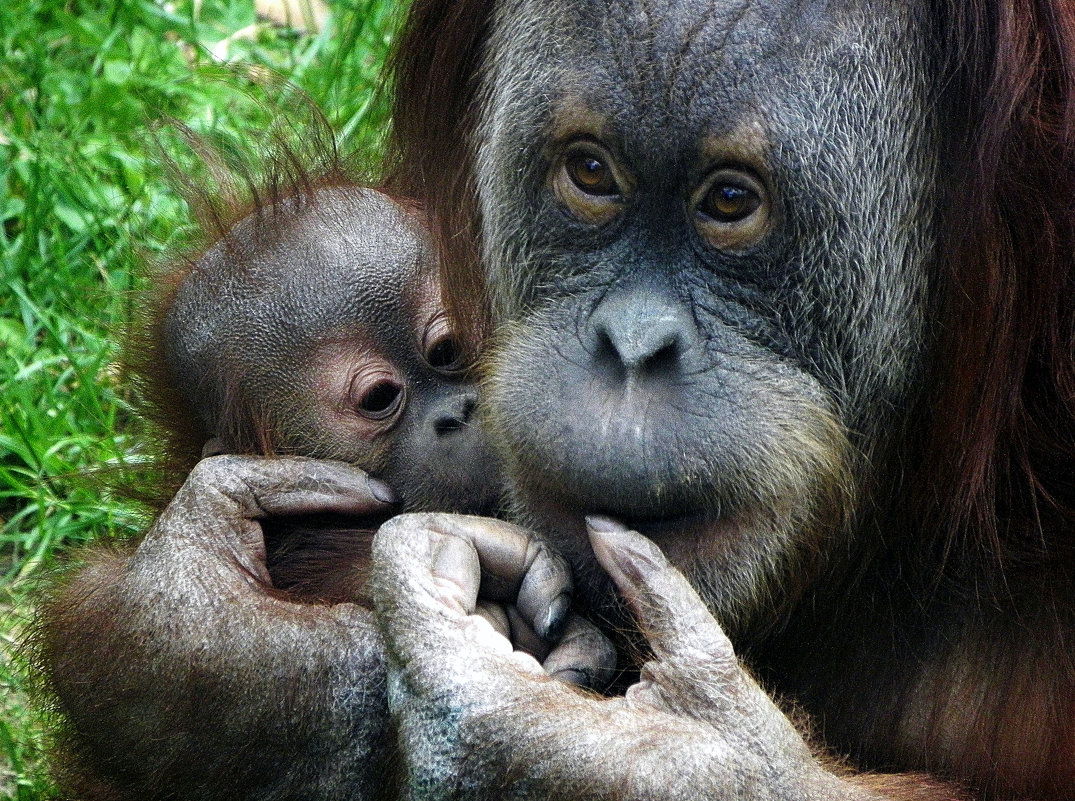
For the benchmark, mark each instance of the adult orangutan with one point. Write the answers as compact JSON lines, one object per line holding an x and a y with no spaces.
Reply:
{"x":787,"y":288}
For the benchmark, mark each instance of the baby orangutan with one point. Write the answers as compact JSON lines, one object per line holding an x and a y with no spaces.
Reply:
{"x":315,"y":327}
{"x":308,"y":345}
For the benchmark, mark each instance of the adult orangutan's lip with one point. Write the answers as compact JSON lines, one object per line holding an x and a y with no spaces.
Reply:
{"x":562,"y":519}
{"x":669,"y":527}
{"x":666,"y":520}
{"x":659,"y":523}
{"x":664,"y":529}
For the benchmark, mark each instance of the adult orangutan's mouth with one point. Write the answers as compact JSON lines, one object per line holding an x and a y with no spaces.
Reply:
{"x":678,"y":534}
{"x":657,"y":525}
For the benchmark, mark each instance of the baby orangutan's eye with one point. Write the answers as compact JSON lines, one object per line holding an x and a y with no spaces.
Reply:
{"x":440,"y":348}
{"x":443,"y":354}
{"x":376,"y":396}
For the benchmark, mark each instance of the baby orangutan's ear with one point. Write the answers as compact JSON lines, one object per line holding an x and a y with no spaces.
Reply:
{"x":213,"y":447}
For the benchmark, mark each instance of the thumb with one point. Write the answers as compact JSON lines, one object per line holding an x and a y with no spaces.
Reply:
{"x":680,"y":629}
{"x":695,"y":671}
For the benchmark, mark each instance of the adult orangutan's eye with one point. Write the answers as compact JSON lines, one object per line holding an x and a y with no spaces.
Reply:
{"x":728,"y":202}
{"x":591,"y":174}
{"x":588,"y":183}
{"x":732,"y":209}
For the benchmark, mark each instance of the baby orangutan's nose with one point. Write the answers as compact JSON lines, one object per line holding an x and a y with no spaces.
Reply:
{"x":455,"y":413}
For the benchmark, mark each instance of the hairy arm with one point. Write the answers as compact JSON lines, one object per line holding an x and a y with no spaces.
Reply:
{"x":477,"y":720}
{"x":180,"y":673}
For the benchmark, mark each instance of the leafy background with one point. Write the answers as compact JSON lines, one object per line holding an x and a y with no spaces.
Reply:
{"x":84,"y":205}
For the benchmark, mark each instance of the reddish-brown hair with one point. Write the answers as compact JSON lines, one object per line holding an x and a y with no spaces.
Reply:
{"x":1000,"y":446}
{"x":297,"y":158}
{"x":433,"y":68}
{"x":1001,"y":452}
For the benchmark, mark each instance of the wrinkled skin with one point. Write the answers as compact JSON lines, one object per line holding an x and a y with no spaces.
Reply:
{"x":477,"y":720}
{"x":179,"y":619}
{"x":694,"y":706}
{"x":164,"y":638}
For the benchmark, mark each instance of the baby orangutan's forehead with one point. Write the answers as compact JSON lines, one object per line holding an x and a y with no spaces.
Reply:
{"x":363,"y":240}
{"x":343,"y":256}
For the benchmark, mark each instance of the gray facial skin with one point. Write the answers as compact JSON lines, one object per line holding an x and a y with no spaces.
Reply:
{"x":716,"y":381}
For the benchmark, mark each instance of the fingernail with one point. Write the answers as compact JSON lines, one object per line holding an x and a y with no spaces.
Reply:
{"x":556,"y":618}
{"x":381,"y":491}
{"x":604,"y":525}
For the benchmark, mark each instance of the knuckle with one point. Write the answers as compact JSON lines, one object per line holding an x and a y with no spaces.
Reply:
{"x":217,"y":477}
{"x":211,"y":470}
{"x":228,"y":473}
{"x":399,"y":539}
{"x":404,"y":524}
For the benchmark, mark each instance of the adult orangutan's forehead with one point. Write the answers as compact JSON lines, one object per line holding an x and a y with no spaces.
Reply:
{"x":672,"y":35}
{"x":666,"y":61}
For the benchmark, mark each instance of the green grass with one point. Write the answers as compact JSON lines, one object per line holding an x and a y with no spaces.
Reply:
{"x":83,"y":203}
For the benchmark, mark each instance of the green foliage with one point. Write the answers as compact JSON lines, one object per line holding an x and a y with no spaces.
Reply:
{"x":83,"y":203}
